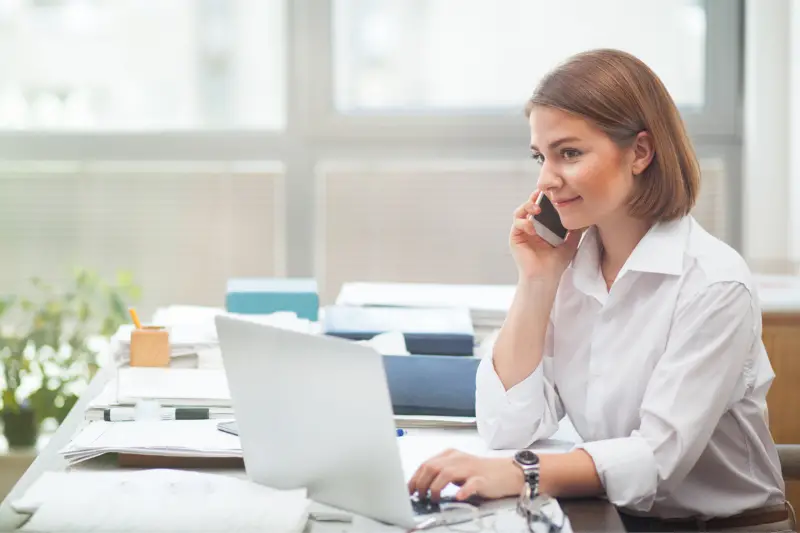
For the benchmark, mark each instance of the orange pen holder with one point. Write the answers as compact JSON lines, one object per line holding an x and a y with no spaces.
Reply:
{"x":150,"y":346}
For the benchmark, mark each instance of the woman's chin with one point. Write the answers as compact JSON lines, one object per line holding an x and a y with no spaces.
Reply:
{"x":573,"y":223}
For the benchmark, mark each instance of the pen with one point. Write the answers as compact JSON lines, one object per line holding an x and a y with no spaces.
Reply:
{"x":135,"y":318}
{"x":127,"y":414}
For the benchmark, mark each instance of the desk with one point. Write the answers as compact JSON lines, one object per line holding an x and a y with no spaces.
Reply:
{"x":585,"y":514}
{"x":781,"y":334}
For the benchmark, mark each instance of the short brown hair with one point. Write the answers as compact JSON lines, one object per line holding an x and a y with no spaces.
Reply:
{"x":623,"y":96}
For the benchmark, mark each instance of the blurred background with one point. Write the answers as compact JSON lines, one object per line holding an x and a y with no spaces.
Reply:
{"x":192,"y":141}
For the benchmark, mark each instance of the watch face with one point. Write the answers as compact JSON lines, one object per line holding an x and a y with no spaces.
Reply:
{"x":527,"y":458}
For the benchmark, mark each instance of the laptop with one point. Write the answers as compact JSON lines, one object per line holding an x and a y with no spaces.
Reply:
{"x":314,"y":412}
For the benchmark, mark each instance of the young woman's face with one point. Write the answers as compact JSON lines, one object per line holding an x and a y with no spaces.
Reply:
{"x":586,"y":176}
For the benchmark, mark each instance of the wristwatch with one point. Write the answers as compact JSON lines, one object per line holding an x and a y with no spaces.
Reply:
{"x":529,"y":463}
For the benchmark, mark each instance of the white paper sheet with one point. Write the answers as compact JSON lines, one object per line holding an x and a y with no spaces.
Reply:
{"x":161,"y":500}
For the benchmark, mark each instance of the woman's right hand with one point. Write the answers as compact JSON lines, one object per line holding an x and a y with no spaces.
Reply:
{"x":535,"y":257}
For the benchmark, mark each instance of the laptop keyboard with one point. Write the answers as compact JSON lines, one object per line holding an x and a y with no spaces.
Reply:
{"x":425,"y":506}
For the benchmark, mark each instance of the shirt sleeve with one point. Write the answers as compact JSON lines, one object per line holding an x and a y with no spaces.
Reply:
{"x":705,"y":369}
{"x":527,"y":412}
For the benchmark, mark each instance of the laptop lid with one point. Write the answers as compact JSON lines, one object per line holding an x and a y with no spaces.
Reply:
{"x":314,"y":412}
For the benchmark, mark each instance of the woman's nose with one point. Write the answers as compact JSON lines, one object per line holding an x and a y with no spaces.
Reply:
{"x":548,"y":179}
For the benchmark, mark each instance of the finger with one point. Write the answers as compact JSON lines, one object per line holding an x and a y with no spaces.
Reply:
{"x":526,"y":209}
{"x":413,"y":483}
{"x":472,"y":487}
{"x":535,"y":195}
{"x":424,"y":477}
{"x":445,"y":477}
{"x":524,"y":225}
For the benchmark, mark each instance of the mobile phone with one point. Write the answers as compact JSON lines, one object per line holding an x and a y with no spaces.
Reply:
{"x":547,"y":223}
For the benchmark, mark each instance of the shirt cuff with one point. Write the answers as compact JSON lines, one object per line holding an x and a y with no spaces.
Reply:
{"x":508,"y":419}
{"x":627,"y":469}
{"x":527,"y":394}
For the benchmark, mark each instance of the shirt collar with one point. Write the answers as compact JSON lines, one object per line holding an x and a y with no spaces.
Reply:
{"x":660,"y":251}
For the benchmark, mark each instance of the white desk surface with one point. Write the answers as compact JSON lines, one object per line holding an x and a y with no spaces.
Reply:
{"x":50,"y":460}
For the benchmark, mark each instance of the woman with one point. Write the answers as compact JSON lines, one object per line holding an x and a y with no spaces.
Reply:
{"x":642,"y":328}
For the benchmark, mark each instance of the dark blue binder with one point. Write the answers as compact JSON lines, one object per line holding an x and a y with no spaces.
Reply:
{"x":431,"y":385}
{"x":427,"y":331}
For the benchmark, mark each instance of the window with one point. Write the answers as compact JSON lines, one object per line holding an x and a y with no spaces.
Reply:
{"x":441,"y":54}
{"x":309,"y":83}
{"x":141,"y":65}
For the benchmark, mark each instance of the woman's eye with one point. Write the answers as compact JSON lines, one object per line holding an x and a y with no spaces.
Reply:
{"x":570,"y":153}
{"x":539,"y":158}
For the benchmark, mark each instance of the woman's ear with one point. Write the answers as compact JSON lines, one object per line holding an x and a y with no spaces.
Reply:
{"x":643,"y":152}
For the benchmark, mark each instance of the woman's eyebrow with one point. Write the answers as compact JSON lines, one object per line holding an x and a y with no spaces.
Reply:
{"x":557,"y":142}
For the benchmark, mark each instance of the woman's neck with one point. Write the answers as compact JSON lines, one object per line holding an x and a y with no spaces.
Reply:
{"x":618,"y":238}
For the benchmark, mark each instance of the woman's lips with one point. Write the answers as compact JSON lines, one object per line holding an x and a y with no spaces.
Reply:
{"x":566,"y":201}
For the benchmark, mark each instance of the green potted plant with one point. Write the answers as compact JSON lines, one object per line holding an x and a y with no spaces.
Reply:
{"x":49,"y":343}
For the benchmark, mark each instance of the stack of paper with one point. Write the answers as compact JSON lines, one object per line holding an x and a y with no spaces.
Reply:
{"x":173,"y":387}
{"x":187,"y":315}
{"x":488,"y":304}
{"x":159,"y":500}
{"x":178,"y":438}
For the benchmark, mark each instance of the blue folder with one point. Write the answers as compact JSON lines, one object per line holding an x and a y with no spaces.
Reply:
{"x":431,"y":384}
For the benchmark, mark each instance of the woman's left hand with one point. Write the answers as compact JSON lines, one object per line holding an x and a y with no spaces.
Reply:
{"x":487,"y":477}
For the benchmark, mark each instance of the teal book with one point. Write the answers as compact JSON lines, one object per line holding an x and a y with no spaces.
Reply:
{"x":261,"y":296}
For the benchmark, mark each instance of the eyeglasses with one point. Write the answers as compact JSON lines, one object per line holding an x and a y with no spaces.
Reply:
{"x":535,"y":511}
{"x":540,"y":514}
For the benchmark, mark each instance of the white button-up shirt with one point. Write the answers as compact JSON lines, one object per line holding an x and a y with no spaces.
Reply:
{"x":664,"y":377}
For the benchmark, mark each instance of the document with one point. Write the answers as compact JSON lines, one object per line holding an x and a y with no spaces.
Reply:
{"x":173,"y":386}
{"x":159,"y":500}
{"x":173,"y":438}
